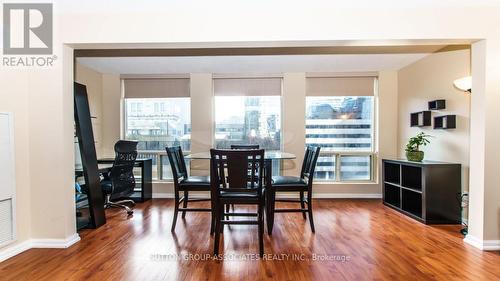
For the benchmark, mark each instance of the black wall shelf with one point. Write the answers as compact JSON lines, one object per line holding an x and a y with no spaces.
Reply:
{"x":437,"y":104}
{"x":445,"y":122}
{"x":426,"y":191}
{"x":420,"y":119}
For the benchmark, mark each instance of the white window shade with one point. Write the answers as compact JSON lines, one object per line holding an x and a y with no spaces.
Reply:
{"x":156,"y":88}
{"x":340,"y":86}
{"x":247,"y":87}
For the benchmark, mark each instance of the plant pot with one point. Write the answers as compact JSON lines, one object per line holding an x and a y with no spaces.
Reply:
{"x":415,"y":156}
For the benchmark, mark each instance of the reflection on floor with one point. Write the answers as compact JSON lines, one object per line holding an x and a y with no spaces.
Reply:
{"x":354,"y":240}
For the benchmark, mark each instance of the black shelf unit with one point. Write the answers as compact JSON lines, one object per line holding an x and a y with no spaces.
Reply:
{"x":420,"y":119}
{"x":437,"y":104}
{"x":445,"y":122}
{"x":427,"y":191}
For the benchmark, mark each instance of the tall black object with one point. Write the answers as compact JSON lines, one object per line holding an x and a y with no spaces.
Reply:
{"x":88,"y":154}
{"x":427,"y":191}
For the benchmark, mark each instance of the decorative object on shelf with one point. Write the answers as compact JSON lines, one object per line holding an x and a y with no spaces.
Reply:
{"x":464,"y":84}
{"x":412,"y":149}
{"x":445,"y":122}
{"x":437,"y":104}
{"x":420,"y":119}
{"x":427,"y":192}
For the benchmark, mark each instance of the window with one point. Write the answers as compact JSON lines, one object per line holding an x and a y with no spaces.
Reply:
{"x":342,"y":125}
{"x":248,"y":111}
{"x":157,"y":113}
{"x":248,"y":120}
{"x":156,"y":130}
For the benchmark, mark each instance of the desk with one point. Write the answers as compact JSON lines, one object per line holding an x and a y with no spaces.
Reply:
{"x":144,"y":187}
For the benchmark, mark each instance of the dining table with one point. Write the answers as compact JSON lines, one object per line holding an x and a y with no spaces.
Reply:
{"x":268,"y":155}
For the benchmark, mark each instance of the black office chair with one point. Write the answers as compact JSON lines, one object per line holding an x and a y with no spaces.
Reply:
{"x":300,"y":184}
{"x":244,"y":146}
{"x":230,"y":185}
{"x":120,"y":181}
{"x":184,"y":183}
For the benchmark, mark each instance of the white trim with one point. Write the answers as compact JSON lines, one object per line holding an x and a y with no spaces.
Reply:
{"x":12,"y":251}
{"x":285,"y":195}
{"x":55,"y":243}
{"x":485,"y":245}
{"x":9,"y":252}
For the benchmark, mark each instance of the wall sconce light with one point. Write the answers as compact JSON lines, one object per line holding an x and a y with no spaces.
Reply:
{"x":464,"y":84}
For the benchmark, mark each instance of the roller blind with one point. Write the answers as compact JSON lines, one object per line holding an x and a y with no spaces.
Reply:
{"x":156,"y":88}
{"x":340,"y":86}
{"x":247,"y":87}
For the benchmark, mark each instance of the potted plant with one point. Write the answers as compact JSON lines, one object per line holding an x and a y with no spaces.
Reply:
{"x":412,"y":149}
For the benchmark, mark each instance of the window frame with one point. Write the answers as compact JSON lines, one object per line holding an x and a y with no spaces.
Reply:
{"x":372,"y":154}
{"x":159,"y":155}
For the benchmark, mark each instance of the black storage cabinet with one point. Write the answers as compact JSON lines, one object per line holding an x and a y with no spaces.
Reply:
{"x":427,"y":191}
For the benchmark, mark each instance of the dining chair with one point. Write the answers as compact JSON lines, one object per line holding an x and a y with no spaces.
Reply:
{"x":119,"y":182}
{"x":302,"y":184}
{"x":244,"y":146}
{"x":184,"y":183}
{"x":230,"y":184}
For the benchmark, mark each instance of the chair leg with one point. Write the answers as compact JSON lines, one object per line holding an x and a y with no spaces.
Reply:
{"x":213,"y":217}
{"x":310,"y":211}
{"x":185,"y":203}
{"x":219,"y":212}
{"x":302,"y":204}
{"x":270,"y":218}
{"x":261,"y":230}
{"x":176,"y":210}
{"x":228,"y":206}
{"x":118,"y":205}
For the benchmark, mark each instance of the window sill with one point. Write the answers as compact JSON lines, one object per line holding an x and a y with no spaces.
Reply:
{"x":345,"y":182}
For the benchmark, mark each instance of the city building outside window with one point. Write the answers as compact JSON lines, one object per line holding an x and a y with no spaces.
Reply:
{"x":340,"y":119}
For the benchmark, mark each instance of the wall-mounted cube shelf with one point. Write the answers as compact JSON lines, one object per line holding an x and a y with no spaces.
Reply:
{"x":445,"y":122}
{"x":420,"y":119}
{"x":437,"y":104}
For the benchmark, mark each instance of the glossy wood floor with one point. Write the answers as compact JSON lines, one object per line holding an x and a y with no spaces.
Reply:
{"x":360,"y":240}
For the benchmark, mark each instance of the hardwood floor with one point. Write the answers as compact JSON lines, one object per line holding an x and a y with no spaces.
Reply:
{"x":362,"y":240}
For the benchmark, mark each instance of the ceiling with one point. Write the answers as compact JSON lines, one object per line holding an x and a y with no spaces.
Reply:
{"x":251,"y":64}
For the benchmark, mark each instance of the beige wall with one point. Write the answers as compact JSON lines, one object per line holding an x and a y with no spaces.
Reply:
{"x":429,"y":79}
{"x":93,"y":80}
{"x":111,"y":113}
{"x":294,"y":123}
{"x":484,"y":207}
{"x":15,"y":101}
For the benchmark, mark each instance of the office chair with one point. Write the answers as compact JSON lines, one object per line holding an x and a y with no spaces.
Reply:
{"x":119,"y":182}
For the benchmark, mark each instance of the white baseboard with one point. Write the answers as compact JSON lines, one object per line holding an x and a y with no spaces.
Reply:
{"x":16,"y":249}
{"x":316,"y":195}
{"x":55,"y":243}
{"x":485,"y":245}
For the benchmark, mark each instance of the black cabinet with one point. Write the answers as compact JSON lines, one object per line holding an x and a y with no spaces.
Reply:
{"x":428,"y":191}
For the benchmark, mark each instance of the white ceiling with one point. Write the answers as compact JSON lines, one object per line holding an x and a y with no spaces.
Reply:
{"x":250,"y":64}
